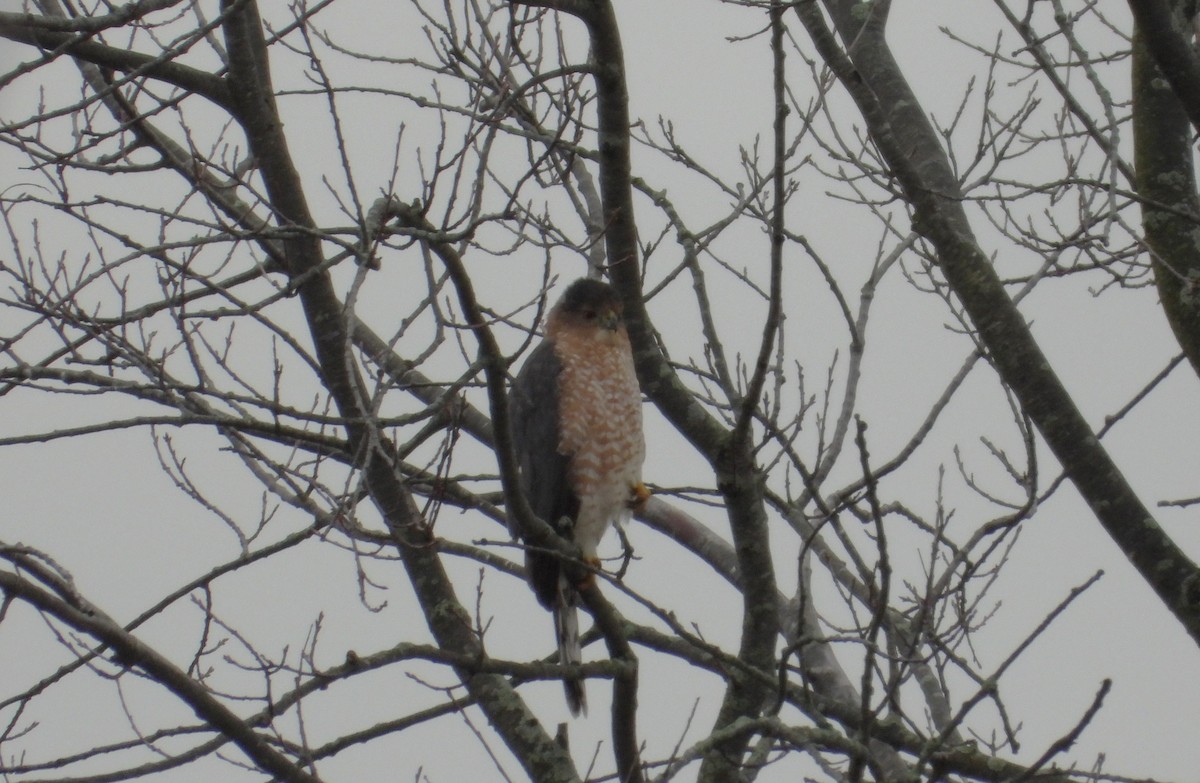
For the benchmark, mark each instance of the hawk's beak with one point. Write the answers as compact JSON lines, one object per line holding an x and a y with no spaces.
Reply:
{"x":610,"y":320}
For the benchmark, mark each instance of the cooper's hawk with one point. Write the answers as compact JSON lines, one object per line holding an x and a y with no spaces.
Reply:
{"x":576,"y":415}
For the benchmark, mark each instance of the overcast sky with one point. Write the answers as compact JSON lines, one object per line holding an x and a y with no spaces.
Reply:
{"x":103,"y":508}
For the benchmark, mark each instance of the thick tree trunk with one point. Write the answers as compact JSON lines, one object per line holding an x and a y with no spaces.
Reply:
{"x":1166,"y":182}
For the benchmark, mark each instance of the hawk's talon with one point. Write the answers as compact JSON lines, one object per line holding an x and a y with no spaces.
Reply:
{"x":638,"y":495}
{"x":589,"y":579}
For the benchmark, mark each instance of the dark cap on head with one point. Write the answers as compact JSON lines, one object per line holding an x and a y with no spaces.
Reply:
{"x":588,"y":294}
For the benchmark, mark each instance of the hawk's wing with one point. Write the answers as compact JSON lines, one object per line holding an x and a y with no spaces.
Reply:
{"x":533,"y":409}
{"x":534,"y":415}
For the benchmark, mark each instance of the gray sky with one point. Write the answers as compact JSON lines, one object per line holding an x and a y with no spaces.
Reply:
{"x":103,"y":508}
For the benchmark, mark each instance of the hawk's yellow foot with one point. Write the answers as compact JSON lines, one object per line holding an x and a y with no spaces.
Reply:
{"x":638,"y":495}
{"x":589,"y":579}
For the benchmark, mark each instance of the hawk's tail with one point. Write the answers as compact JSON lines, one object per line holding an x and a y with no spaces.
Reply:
{"x":566,"y":629}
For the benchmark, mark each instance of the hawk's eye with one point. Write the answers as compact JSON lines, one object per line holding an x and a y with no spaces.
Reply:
{"x":589,"y":315}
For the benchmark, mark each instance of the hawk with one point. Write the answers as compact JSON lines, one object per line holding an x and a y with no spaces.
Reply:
{"x":576,"y":413}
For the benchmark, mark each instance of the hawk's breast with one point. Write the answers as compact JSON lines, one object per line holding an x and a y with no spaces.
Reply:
{"x":600,"y":416}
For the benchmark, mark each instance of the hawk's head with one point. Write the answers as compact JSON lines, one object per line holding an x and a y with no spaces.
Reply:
{"x":588,"y":305}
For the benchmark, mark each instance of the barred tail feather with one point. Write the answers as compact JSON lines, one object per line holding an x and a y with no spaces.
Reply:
{"x":566,"y":628}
